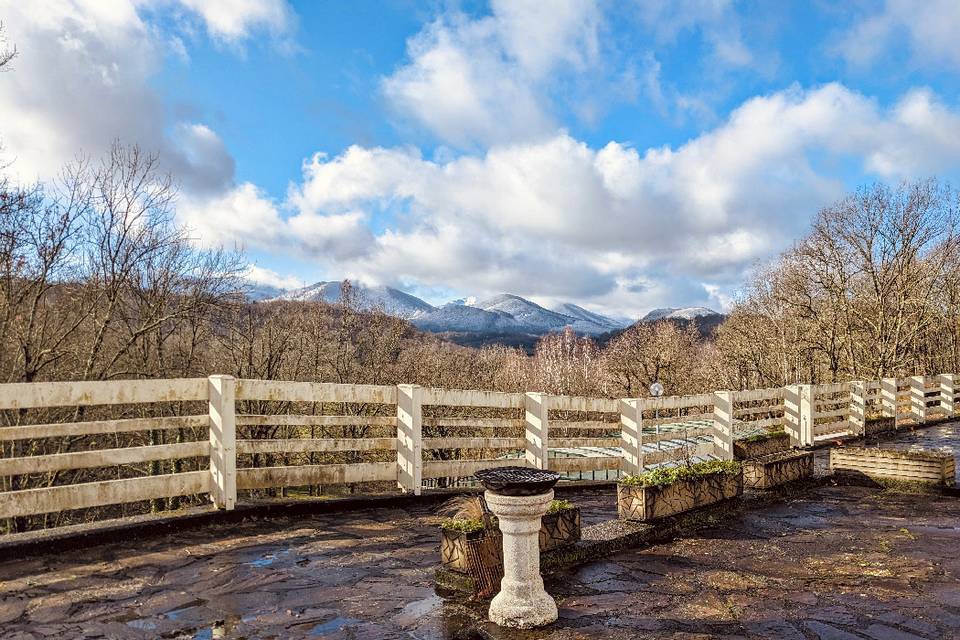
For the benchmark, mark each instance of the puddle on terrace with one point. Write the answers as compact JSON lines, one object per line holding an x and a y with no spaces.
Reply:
{"x":411,"y":612}
{"x":268,"y":559}
{"x":179,"y":614}
{"x":150,"y":623}
{"x":334,"y":625}
{"x":144,"y":624}
{"x":219,"y":629}
{"x":193,"y":612}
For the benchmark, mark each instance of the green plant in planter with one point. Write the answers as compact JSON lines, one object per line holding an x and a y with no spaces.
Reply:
{"x":463,"y":525}
{"x":758,"y":437}
{"x":559,"y":505}
{"x":466,"y":514}
{"x":664,"y":476}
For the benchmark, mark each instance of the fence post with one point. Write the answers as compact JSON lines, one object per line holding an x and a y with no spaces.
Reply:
{"x":723,"y":424}
{"x":631,"y":435}
{"x":918,"y":398}
{"x":791,"y":413}
{"x":807,"y":414}
{"x":537,"y":423}
{"x":223,"y":441}
{"x":947,"y":394}
{"x":858,"y":408}
{"x":410,"y":438}
{"x":888,"y":399}
{"x":798,"y":414}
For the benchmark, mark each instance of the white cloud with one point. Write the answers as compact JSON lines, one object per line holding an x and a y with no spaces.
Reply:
{"x":246,"y":218}
{"x":484,"y":81}
{"x":258,"y":275}
{"x":716,"y":20}
{"x":240,"y":218}
{"x":332,"y":237}
{"x":199,"y":159}
{"x":233,"y":20}
{"x":557,"y":218}
{"x":81,"y":81}
{"x":930,"y":28}
{"x":541,"y":36}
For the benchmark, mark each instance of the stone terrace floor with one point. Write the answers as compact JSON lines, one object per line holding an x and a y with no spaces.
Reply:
{"x":843,"y":563}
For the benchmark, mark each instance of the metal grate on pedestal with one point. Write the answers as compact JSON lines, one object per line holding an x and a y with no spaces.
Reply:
{"x":517,"y":481}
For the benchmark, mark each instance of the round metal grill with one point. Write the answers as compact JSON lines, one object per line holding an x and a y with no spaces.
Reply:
{"x":517,"y":481}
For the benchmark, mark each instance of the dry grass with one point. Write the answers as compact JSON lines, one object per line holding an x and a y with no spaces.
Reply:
{"x":462,"y":507}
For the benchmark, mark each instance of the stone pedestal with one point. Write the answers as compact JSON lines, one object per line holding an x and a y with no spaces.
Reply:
{"x":522,"y":602}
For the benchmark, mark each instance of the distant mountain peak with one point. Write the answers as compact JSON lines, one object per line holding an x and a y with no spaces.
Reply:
{"x":373,"y":297}
{"x":679,"y":313}
{"x":505,"y":313}
{"x":586,"y":316}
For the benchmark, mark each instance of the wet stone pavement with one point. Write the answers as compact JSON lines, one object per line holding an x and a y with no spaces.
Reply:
{"x":842,"y":563}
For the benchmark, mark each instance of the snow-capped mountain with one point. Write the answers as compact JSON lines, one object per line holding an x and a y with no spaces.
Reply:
{"x":687,"y":313}
{"x":527,"y":313}
{"x":595,"y":319}
{"x":257,"y":292}
{"x":387,"y":299}
{"x":540,"y":320}
{"x":461,"y":318}
{"x":502,"y":314}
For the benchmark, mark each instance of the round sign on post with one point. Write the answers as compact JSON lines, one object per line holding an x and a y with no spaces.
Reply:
{"x":656,"y":390}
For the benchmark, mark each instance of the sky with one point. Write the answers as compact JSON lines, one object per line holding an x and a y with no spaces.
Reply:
{"x":619,"y":155}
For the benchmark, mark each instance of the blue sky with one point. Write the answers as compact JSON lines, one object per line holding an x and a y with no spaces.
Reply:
{"x":619,"y":155}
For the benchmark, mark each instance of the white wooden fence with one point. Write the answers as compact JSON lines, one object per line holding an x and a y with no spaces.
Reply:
{"x":486,"y":429}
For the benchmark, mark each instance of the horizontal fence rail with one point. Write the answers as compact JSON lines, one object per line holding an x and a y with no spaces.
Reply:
{"x":265,"y":435}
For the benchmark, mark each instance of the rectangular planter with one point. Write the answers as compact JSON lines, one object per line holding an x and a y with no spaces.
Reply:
{"x":931,"y":467}
{"x":774,"y":443}
{"x":879,"y":425}
{"x":560,"y":529}
{"x":775,"y":469}
{"x":650,"y":503}
{"x":458,"y":549}
{"x":457,"y":546}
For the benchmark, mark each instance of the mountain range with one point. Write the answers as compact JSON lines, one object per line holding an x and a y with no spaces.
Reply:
{"x":673,"y":313}
{"x":502,"y":315}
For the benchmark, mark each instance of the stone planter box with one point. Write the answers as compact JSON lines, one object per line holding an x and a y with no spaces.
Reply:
{"x":651,"y":503}
{"x":457,"y":546}
{"x":773,"y":443}
{"x":775,"y":469}
{"x":459,"y":549}
{"x":560,"y":529}
{"x":928,"y":467}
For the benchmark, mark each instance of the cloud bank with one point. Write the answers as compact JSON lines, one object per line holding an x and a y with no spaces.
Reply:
{"x":559,"y":219}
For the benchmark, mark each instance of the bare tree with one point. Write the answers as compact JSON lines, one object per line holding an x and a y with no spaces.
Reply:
{"x":650,"y":352}
{"x":868,"y":293}
{"x":7,"y":53}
